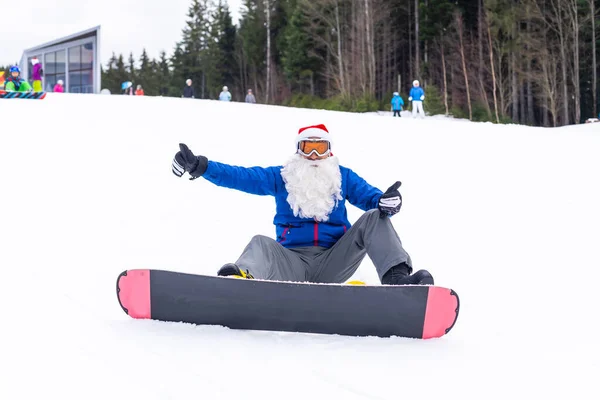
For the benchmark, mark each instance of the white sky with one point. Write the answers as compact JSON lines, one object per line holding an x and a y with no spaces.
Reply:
{"x":127,"y":25}
{"x":506,"y":215}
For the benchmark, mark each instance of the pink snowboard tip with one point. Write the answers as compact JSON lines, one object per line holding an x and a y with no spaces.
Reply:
{"x":441,"y":312}
{"x":133,"y":292}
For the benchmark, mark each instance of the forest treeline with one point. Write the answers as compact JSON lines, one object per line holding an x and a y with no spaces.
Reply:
{"x":526,"y":61}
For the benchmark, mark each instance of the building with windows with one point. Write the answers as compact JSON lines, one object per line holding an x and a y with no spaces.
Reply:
{"x":74,"y":59}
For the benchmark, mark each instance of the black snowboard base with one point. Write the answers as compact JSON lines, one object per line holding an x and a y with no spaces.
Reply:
{"x":355,"y":310}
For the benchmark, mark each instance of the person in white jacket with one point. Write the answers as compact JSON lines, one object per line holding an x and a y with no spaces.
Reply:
{"x":225,"y":95}
{"x":417,"y":95}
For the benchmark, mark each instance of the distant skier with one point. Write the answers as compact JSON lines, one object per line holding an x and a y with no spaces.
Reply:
{"x":59,"y":87}
{"x":315,"y":241}
{"x":139,"y":91}
{"x":37,"y":73}
{"x":188,"y":90}
{"x":14,"y":82}
{"x":225,"y":95}
{"x":127,"y":88}
{"x":397,"y":104}
{"x":417,"y":95}
{"x":250,"y":97}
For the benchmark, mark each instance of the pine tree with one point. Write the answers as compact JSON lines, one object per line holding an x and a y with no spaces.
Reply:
{"x":164,"y":76}
{"x":110,"y":78}
{"x":195,"y":44}
{"x":121,"y":73}
{"x":299,"y":65}
{"x":220,"y":66}
{"x":252,"y":40}
{"x":180,"y":73}
{"x":131,"y":69}
{"x":144,"y":75}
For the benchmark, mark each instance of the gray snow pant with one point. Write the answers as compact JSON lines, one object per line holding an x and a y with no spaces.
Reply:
{"x":265,"y":258}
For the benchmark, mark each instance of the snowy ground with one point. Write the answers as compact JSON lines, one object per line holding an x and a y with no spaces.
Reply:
{"x":508,"y":216}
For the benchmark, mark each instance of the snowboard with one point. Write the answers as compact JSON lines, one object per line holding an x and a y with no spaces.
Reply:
{"x":22,"y":95}
{"x":414,"y":311}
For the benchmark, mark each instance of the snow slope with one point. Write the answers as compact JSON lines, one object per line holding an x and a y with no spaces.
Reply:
{"x":506,"y":215}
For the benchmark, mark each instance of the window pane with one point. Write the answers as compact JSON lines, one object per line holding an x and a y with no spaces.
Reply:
{"x":50,"y":82}
{"x":74,"y":58}
{"x":60,"y":62}
{"x":74,"y":81}
{"x":87,"y":56}
{"x":87,"y":81}
{"x":50,"y":63}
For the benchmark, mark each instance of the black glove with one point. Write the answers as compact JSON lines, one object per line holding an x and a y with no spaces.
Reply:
{"x":185,"y":160}
{"x":391,"y":201}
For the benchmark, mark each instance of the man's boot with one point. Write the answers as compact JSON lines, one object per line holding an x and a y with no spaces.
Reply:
{"x":232,"y":269}
{"x":401,"y":275}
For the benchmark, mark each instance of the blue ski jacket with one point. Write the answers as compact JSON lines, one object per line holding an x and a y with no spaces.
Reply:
{"x":295,"y":231}
{"x":416,"y":93}
{"x":397,"y":102}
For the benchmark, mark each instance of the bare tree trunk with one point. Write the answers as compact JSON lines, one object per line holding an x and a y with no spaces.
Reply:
{"x":549,"y":86}
{"x":594,"y":65}
{"x":417,"y":55}
{"x":552,"y":14}
{"x":514,"y":89}
{"x":545,"y":106}
{"x":337,"y":66}
{"x":576,"y":84}
{"x":268,"y":90}
{"x":563,"y":64}
{"x":425,"y":52}
{"x":523,"y":118}
{"x":459,"y":27}
{"x":489,"y":32}
{"x":362,"y":54}
{"x":338,"y":28}
{"x":529,"y":113}
{"x":442,"y":51}
{"x":399,"y":83}
{"x":370,"y":50}
{"x":530,"y":110}
{"x":480,"y":70}
{"x":502,"y":102}
{"x":411,"y":64}
{"x":521,"y":58}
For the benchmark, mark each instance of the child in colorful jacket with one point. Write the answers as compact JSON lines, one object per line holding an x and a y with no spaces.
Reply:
{"x":36,"y":74}
{"x":59,"y":87}
{"x":14,"y":83}
{"x":397,"y":103}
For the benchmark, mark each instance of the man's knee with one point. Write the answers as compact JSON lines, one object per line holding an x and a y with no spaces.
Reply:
{"x":372,"y":213}
{"x":260,"y":239}
{"x":368,"y":215}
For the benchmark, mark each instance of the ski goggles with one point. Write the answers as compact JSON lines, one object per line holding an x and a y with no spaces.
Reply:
{"x":320,"y":147}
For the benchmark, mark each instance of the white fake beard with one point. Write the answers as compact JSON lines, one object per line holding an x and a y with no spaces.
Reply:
{"x":314,"y":187}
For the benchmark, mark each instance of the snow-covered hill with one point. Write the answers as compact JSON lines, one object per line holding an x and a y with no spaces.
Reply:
{"x":508,"y":216}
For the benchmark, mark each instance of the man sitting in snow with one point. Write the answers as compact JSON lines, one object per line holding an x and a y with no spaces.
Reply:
{"x":315,"y":241}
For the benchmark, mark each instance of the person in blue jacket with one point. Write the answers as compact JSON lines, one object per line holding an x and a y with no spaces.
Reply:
{"x":315,"y":241}
{"x":417,"y":95}
{"x":397,"y":103}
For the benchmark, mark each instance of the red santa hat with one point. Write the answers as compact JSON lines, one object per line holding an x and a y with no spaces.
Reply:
{"x":319,"y":131}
